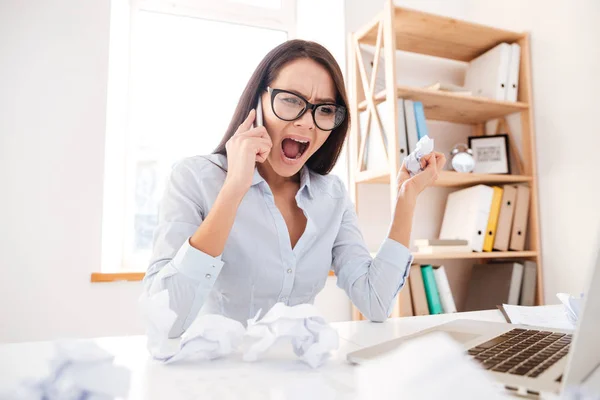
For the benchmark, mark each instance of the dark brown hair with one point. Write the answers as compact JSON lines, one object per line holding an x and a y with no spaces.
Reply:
{"x":324,"y":159}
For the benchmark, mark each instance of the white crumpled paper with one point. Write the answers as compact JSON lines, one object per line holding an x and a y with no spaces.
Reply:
{"x":311,"y":336}
{"x":572,"y":305}
{"x":79,"y":370}
{"x":432,"y":366}
{"x":208,"y":337}
{"x":413,"y":160}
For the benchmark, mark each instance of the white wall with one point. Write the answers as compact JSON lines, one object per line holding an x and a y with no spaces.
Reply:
{"x":566,"y":93}
{"x":53,"y":75}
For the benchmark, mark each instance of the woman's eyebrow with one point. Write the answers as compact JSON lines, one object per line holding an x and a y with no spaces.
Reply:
{"x":327,"y":100}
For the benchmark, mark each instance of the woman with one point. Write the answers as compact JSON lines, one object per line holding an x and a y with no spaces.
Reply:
{"x":260,"y":221}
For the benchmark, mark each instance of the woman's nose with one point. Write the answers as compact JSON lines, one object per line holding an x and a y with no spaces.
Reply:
{"x":306,"y":120}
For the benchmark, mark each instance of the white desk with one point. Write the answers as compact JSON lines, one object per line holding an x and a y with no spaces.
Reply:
{"x":280,"y":375}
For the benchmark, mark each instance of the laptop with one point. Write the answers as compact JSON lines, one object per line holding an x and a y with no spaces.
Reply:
{"x":526,"y":359}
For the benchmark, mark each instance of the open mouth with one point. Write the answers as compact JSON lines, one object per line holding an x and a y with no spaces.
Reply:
{"x":293,"y":149}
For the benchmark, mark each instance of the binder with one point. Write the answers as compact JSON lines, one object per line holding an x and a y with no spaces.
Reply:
{"x":512,"y":88}
{"x":374,"y":153}
{"x":519,"y":228}
{"x":431,"y":290}
{"x":490,"y":233}
{"x":417,"y":291}
{"x":369,"y":59}
{"x":405,"y":308}
{"x":505,"y":219}
{"x":401,"y":132}
{"x":420,"y":119}
{"x":412,"y":135}
{"x":441,"y":280}
{"x":493,"y":284}
{"x":466,"y":215}
{"x":487,"y":74}
{"x":527,"y":297}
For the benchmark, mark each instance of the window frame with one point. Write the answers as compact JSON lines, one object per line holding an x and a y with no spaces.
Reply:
{"x":118,"y":177}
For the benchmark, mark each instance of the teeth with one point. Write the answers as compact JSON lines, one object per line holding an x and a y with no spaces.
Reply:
{"x":299,"y":141}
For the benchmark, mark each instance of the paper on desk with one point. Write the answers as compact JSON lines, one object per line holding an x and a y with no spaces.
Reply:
{"x":572,"y":305}
{"x":311,"y":336}
{"x":413,"y":160}
{"x":432,"y":366}
{"x":208,"y":337}
{"x":79,"y":370}
{"x":552,"y":316}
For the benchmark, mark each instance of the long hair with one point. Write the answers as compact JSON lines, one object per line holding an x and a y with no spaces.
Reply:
{"x":324,"y":159}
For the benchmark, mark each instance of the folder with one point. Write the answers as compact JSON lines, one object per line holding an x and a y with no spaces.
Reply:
{"x":405,"y":307}
{"x":490,"y":233}
{"x":420,"y":119}
{"x":519,"y":228}
{"x":493,"y":284}
{"x":466,"y":215}
{"x":382,"y":109}
{"x":417,"y":291}
{"x":431,"y":290}
{"x":527,"y":297}
{"x":368,"y":58}
{"x":412,"y":135}
{"x":505,"y":219}
{"x":487,"y":74}
{"x":512,"y":89}
{"x":441,"y":280}
{"x":374,"y":153}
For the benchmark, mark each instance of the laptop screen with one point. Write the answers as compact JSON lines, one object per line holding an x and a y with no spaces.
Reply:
{"x":585,"y":349}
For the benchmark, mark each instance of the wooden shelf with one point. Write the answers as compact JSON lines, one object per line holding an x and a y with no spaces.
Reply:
{"x":397,"y":29}
{"x":439,"y":36}
{"x":448,"y":178}
{"x":445,"y":106}
{"x":474,"y":255}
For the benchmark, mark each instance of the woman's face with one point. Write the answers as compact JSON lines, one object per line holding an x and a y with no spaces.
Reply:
{"x":295,"y":141}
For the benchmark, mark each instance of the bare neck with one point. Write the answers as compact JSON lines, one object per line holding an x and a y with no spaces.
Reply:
{"x":275,"y":181}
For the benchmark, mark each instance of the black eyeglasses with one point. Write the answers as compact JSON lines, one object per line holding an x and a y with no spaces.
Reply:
{"x":289,"y":106}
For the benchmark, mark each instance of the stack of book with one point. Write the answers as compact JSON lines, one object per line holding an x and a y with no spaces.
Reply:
{"x":428,"y":291}
{"x":436,"y":246}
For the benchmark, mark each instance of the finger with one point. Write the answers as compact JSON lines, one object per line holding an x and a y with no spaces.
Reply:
{"x":247,"y":124}
{"x":263,"y":150}
{"x":427,"y":159}
{"x":441,"y":161}
{"x":259,"y":131}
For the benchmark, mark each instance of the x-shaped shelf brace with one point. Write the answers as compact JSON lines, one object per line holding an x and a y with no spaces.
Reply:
{"x":369,"y":88}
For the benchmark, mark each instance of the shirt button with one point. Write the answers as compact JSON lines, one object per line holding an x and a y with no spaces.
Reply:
{"x":208,"y":276}
{"x":284,"y":299}
{"x":289,"y":271}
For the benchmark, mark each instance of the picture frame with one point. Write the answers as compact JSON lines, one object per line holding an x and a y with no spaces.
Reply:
{"x":490,"y":154}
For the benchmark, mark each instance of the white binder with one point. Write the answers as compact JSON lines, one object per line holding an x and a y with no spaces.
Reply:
{"x":412,"y":135}
{"x":487,"y":74}
{"x":513,"y":72}
{"x":466,"y":216}
{"x":383,"y":110}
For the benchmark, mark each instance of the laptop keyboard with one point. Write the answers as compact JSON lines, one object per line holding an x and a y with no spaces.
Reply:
{"x":522,"y":352}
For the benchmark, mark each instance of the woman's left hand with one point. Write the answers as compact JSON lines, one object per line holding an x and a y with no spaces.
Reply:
{"x":409,"y":188}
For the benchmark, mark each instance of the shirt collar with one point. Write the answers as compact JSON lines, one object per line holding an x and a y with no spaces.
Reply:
{"x":305,"y":181}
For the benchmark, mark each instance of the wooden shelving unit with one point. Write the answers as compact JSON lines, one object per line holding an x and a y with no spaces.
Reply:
{"x":398,"y":28}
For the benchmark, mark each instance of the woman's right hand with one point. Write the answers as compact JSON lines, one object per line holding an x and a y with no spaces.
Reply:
{"x":244,"y":149}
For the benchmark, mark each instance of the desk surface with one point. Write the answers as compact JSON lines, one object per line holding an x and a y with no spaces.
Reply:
{"x":279,"y":375}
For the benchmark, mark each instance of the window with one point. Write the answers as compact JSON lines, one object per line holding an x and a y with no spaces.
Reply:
{"x":188,"y":62}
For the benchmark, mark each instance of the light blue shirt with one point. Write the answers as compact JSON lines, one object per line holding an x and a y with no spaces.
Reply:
{"x":259,"y":267}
